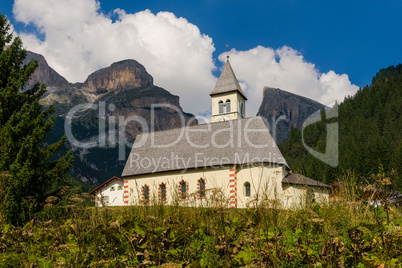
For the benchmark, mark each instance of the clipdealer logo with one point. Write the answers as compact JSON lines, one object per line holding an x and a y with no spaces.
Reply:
{"x":112,"y":131}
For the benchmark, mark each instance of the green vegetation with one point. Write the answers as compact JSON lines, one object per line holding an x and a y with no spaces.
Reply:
{"x":27,"y":166}
{"x":69,"y":233}
{"x":370,"y":138}
{"x":44,"y":224}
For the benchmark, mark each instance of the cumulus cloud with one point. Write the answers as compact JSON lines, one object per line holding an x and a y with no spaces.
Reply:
{"x":79,"y":39}
{"x":285,"y":68}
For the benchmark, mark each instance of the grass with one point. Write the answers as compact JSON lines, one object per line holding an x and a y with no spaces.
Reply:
{"x":71,"y":233}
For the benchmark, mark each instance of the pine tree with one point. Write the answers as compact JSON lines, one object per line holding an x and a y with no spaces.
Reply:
{"x":370,"y":124}
{"x":28,"y":166}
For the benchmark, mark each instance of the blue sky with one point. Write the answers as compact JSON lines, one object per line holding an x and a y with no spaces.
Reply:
{"x":355,"y":38}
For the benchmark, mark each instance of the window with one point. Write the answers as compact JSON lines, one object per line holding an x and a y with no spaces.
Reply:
{"x":163,"y":192}
{"x":146,"y":192}
{"x":105,"y":200}
{"x":221,"y":107}
{"x":201,"y":183}
{"x":247,"y":189}
{"x":183,"y":190}
{"x":227,"y":106}
{"x":120,"y":187}
{"x":112,"y":189}
{"x":241,"y":109}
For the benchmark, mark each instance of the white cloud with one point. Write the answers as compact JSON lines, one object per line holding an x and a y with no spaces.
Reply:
{"x":79,"y":39}
{"x":285,"y":68}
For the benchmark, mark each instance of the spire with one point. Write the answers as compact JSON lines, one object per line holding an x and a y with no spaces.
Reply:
{"x":227,"y":82}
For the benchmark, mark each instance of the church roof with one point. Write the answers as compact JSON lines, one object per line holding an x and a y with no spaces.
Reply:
{"x":227,"y":82}
{"x":105,"y":183}
{"x":294,"y":178}
{"x":233,"y":142}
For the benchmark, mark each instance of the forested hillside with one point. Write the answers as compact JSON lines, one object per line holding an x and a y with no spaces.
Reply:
{"x":370,"y":127}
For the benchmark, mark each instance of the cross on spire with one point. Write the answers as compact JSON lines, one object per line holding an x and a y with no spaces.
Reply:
{"x":227,"y":51}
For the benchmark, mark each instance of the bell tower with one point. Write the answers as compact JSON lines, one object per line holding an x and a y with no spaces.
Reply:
{"x":228,"y":99}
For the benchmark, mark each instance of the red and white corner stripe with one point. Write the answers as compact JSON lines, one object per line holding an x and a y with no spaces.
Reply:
{"x":233,"y":188}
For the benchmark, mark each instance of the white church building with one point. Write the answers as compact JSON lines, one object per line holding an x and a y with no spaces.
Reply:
{"x":109,"y":193}
{"x":232,"y":161}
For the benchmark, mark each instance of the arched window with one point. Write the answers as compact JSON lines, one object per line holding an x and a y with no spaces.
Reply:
{"x":227,"y":105}
{"x":201,"y":184}
{"x":162,"y":188}
{"x":183,"y":190}
{"x":247,"y":189}
{"x":221,"y":106}
{"x":146,"y":192}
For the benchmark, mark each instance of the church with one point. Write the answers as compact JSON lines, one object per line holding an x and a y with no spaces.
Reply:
{"x":231,"y":161}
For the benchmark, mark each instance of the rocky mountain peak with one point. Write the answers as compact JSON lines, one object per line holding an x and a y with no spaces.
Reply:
{"x":295,"y":109}
{"x":44,"y":73}
{"x":122,"y":75}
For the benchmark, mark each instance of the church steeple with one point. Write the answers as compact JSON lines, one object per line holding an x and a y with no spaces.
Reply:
{"x":227,"y":82}
{"x":228,"y":99}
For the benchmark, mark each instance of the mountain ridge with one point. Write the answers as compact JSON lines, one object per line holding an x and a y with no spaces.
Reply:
{"x":286,"y":109}
{"x":125,"y":90}
{"x":121,"y":75}
{"x":128,"y":88}
{"x":44,"y":72}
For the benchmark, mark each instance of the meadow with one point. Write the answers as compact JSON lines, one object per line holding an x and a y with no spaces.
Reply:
{"x":71,"y":232}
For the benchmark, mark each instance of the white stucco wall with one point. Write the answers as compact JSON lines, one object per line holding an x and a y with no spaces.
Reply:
{"x":295,"y":196}
{"x":234,"y":98}
{"x":215,"y":179}
{"x":115,"y":197}
{"x":265,"y":184}
{"x":266,"y":187}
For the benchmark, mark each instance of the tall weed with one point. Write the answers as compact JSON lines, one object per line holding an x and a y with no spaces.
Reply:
{"x":347,"y":233}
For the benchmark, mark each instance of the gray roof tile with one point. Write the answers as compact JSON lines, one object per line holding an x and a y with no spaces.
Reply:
{"x":294,"y":178}
{"x":203,"y":146}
